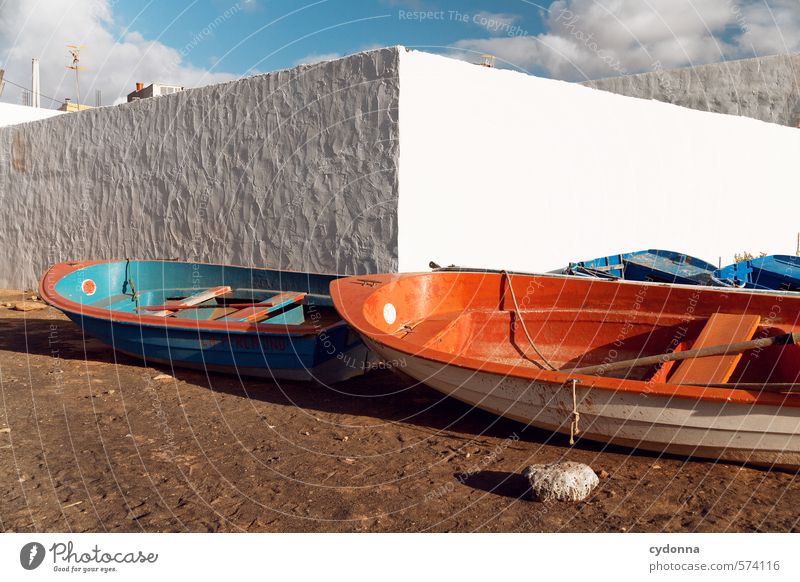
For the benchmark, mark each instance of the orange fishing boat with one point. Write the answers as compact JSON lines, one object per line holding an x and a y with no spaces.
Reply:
{"x":697,"y":371}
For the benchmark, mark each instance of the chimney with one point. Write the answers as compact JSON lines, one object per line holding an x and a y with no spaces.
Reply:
{"x":35,"y":100}
{"x":139,"y":86}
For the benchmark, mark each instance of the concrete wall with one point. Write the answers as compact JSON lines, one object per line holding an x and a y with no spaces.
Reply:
{"x":766,"y":88}
{"x":295,"y":169}
{"x":504,"y":170}
{"x":11,"y":114}
{"x":304,"y":169}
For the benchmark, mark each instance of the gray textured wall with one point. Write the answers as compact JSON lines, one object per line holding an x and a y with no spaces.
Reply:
{"x":766,"y":88}
{"x":295,"y":169}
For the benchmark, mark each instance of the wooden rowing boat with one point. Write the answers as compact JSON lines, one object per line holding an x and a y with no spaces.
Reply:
{"x":780,"y":272}
{"x":254,"y":322}
{"x":654,"y":265}
{"x":598,"y":358}
{"x":770,"y":272}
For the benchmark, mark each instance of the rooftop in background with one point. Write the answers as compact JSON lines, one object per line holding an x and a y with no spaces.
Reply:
{"x":69,"y":107}
{"x":11,"y":114}
{"x":153,"y":90}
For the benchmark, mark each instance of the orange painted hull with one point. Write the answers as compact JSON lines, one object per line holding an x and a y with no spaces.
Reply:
{"x":461,"y":333}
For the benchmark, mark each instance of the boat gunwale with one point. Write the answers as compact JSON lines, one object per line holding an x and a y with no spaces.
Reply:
{"x":342,"y":296}
{"x":560,"y":275}
{"x":60,"y":270}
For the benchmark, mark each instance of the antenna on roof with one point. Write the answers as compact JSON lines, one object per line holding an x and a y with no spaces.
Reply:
{"x":75,"y":52}
{"x":487,"y":61}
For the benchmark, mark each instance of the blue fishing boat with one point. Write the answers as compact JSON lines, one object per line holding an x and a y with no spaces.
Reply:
{"x":778,"y":272}
{"x":650,"y":265}
{"x":254,"y":322}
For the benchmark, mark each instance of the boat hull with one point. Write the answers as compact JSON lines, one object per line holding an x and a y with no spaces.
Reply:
{"x":733,"y":432}
{"x":780,"y":272}
{"x":333,"y":356}
{"x":307,"y":342}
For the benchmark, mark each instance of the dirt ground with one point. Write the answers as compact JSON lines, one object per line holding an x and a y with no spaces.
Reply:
{"x":94,"y":441}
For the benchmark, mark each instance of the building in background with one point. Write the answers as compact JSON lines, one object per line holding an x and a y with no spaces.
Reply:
{"x":69,"y":107}
{"x":153,"y":90}
{"x":12,"y":114}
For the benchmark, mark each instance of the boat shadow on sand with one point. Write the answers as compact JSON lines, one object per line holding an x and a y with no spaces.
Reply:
{"x":380,"y":394}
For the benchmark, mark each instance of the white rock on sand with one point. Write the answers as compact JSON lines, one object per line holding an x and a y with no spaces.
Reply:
{"x":565,"y":481}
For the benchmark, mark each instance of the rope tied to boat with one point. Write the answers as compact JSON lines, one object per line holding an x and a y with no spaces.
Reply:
{"x":129,"y":276}
{"x":576,"y":416}
{"x":524,"y":328}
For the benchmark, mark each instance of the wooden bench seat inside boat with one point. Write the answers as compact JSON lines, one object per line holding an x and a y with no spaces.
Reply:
{"x":721,"y":329}
{"x":195,"y":299}
{"x":265,"y":308}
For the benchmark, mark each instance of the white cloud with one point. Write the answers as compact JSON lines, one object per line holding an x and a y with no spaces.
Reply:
{"x":114,"y":59}
{"x":769,"y":28}
{"x":495,"y":22}
{"x":250,"y":5}
{"x":317,"y":58}
{"x":313,"y":58}
{"x":597,"y":38}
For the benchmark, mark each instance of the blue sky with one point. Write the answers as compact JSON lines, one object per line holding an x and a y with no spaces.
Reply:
{"x":199,"y":42}
{"x":277,"y":34}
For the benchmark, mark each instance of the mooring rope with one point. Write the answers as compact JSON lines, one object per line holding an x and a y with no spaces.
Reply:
{"x":524,"y":328}
{"x":134,"y":293}
{"x":576,"y":416}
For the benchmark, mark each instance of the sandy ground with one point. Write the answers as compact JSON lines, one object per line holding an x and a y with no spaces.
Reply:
{"x":94,"y":441}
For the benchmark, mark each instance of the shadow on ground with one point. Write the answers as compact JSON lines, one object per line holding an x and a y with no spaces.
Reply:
{"x":380,"y":394}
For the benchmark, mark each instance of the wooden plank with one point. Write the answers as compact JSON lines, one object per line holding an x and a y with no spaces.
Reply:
{"x":265,"y":308}
{"x":220,"y":311}
{"x":284,"y":299}
{"x":722,"y":328}
{"x":193,"y":300}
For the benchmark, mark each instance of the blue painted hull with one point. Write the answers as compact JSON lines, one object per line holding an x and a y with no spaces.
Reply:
{"x":276,"y":356}
{"x":303,"y":342}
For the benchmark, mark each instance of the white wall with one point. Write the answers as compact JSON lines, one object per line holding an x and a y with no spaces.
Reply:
{"x":503,"y":170}
{"x":14,"y":114}
{"x":295,"y":169}
{"x":298,"y":169}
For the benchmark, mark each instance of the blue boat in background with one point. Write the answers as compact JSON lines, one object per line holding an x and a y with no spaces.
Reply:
{"x":247,"y":321}
{"x":777,"y":272}
{"x":650,"y":265}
